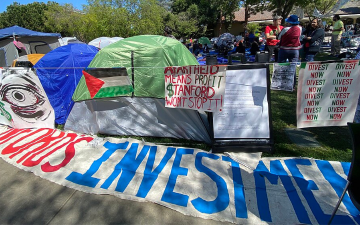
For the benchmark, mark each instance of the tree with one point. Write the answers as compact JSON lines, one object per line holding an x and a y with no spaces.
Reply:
{"x":251,"y":8}
{"x":30,"y":16}
{"x":284,"y":7}
{"x":323,"y":6}
{"x":66,"y":20}
{"x":210,"y":12}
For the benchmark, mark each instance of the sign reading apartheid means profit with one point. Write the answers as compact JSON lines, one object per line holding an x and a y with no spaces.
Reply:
{"x":283,"y":76}
{"x":195,"y":87}
{"x":327,"y":93}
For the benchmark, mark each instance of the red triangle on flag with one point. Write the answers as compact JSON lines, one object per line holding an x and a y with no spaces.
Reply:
{"x":93,"y":84}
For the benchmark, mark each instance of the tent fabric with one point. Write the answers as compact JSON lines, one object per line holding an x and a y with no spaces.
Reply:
{"x":145,"y":115}
{"x":33,"y":41}
{"x":204,"y":40}
{"x":102,"y":42}
{"x":137,"y":116}
{"x":32,"y":58}
{"x":151,"y":54}
{"x":60,"y":71}
{"x":20,"y":31}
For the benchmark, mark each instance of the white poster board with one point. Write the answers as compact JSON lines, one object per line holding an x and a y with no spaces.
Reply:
{"x":283,"y":76}
{"x":195,"y":87}
{"x":23,"y":101}
{"x":245,"y":112}
{"x":327,"y":93}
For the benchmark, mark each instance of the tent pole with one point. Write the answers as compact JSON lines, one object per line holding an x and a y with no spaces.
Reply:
{"x":132,"y":72}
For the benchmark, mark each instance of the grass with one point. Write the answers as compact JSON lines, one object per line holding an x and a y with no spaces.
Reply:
{"x":335,"y":141}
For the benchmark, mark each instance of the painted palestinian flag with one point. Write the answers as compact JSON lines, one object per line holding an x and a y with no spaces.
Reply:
{"x":102,"y":83}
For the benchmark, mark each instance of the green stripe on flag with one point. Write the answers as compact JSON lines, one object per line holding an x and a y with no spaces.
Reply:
{"x":109,"y":92}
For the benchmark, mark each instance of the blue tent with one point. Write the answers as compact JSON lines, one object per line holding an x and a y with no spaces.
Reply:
{"x":60,"y":71}
{"x":20,"y":31}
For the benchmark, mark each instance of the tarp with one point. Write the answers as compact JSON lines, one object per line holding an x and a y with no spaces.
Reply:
{"x":204,"y":40}
{"x":20,"y":31}
{"x":151,"y":54}
{"x":60,"y":71}
{"x":102,"y":42}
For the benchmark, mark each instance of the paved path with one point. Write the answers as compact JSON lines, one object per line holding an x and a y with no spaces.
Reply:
{"x":28,"y":199}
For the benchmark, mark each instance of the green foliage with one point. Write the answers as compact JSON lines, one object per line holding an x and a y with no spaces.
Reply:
{"x":209,"y":12}
{"x":30,"y":16}
{"x":253,"y":27}
{"x":323,"y":6}
{"x":284,"y":7}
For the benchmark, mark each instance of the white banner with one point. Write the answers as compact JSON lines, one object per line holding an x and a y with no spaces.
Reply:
{"x":195,"y":87}
{"x":23,"y":101}
{"x":191,"y":181}
{"x":328,"y":93}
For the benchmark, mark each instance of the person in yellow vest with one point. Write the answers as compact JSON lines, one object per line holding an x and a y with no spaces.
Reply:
{"x":338,"y":28}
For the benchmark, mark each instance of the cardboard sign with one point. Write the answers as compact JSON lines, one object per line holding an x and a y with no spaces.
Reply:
{"x":195,"y":87}
{"x":327,"y":93}
{"x":283,"y":76}
{"x":23,"y":101}
{"x":191,"y":181}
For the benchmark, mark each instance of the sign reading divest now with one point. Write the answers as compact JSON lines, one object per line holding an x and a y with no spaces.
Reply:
{"x":328,"y":93}
{"x":195,"y":87}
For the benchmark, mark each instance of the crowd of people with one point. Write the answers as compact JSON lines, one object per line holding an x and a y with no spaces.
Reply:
{"x":292,"y":42}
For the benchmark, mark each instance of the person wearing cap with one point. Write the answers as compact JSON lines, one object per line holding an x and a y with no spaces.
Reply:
{"x":336,"y":35}
{"x":290,"y":40}
{"x":271,"y":33}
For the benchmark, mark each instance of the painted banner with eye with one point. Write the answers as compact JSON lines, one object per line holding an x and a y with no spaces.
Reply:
{"x":23,"y":101}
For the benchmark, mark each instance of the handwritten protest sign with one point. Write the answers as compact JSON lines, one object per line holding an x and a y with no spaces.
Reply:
{"x":328,"y":93}
{"x":195,"y":87}
{"x":283,"y":76}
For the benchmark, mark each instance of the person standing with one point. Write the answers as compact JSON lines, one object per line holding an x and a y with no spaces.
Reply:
{"x":313,"y":40}
{"x":271,"y":33}
{"x":338,"y":28}
{"x":290,"y":40}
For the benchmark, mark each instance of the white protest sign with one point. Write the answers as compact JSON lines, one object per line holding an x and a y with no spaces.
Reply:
{"x":245,"y":113}
{"x":283,"y":76}
{"x":195,"y":87}
{"x":327,"y":93}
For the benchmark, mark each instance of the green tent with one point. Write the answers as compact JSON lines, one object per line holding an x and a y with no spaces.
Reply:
{"x":148,"y":55}
{"x":204,"y":40}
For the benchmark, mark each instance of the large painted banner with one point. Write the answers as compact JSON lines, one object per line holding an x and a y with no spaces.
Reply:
{"x":328,"y":93}
{"x":23,"y":101}
{"x":195,"y":87}
{"x":191,"y":181}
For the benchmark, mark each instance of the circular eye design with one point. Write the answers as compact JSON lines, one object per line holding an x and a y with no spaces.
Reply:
{"x":21,"y":96}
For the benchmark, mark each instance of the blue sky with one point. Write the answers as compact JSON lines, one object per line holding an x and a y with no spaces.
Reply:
{"x":77,"y":3}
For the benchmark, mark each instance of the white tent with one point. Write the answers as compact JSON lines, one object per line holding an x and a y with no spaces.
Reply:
{"x":102,"y":42}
